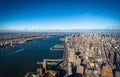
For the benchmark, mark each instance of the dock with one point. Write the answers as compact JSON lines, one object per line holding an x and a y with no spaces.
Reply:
{"x":56,"y":60}
{"x":57,"y":47}
{"x":49,"y":62}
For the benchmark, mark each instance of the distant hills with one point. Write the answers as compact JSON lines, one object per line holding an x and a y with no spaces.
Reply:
{"x":115,"y":29}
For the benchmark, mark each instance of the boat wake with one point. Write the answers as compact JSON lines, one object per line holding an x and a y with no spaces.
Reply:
{"x":13,"y":52}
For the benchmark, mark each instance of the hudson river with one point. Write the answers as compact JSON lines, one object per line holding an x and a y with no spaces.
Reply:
{"x":15,"y":62}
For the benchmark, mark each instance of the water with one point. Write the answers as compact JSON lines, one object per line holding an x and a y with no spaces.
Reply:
{"x":15,"y":62}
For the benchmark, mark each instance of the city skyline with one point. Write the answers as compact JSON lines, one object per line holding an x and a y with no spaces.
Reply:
{"x":35,"y":15}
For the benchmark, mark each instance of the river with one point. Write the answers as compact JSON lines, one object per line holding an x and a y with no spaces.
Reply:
{"x":15,"y":62}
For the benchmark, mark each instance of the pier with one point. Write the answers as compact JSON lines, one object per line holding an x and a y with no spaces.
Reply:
{"x":49,"y":62}
{"x":56,"y":60}
{"x":57,"y":47}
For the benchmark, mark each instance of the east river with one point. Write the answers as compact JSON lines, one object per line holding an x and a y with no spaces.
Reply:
{"x":15,"y":62}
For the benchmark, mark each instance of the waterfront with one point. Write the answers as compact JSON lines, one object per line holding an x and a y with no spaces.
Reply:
{"x":17,"y":64}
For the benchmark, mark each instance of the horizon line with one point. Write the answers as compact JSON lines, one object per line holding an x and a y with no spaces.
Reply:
{"x":60,"y":30}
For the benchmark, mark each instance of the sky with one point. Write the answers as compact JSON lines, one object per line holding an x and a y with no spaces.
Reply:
{"x":36,"y":15}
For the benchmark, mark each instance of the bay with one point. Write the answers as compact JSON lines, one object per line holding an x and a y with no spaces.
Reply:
{"x":15,"y":62}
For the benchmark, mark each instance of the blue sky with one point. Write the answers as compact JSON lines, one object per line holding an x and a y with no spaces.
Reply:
{"x":59,"y":14}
